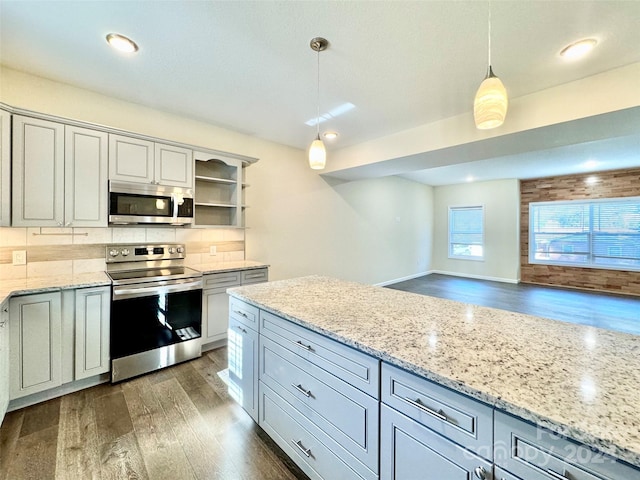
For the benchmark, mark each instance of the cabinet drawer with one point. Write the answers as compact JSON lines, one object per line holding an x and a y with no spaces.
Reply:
{"x":256,"y":275}
{"x":243,"y":312}
{"x":221,"y":280}
{"x":504,"y":475}
{"x":355,"y":368}
{"x":535,"y":453}
{"x":308,"y":446}
{"x":410,"y":451}
{"x":347,"y":415}
{"x":451,"y":414}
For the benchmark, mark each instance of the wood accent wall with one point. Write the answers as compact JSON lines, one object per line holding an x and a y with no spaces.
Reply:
{"x":612,"y":184}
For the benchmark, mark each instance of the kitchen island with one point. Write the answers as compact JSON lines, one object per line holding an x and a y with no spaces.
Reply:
{"x":578,"y":381}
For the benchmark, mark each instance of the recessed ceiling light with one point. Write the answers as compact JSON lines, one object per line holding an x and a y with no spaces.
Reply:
{"x":578,"y":49}
{"x":330,"y":135}
{"x":470,"y":178}
{"x":122,"y":43}
{"x":590,"y":164}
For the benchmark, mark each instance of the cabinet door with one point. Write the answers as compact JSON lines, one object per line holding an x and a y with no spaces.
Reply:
{"x":85,"y":159}
{"x":92,"y":331}
{"x":215,"y":315}
{"x":5,"y":168}
{"x":4,"y":360}
{"x":409,"y":450}
{"x":130,"y":159}
{"x":173,"y":166}
{"x":242,"y":349}
{"x":38,"y":173}
{"x":35,"y":323}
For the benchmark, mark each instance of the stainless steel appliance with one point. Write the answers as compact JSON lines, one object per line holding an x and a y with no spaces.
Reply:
{"x":135,"y":203}
{"x":156,"y":308}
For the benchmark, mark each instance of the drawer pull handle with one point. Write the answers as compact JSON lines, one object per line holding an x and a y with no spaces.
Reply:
{"x":241,"y":313}
{"x":241,"y":329}
{"x":437,"y":414}
{"x":306,"y":393}
{"x":557,"y":475}
{"x":305,"y":451}
{"x":302,"y":345}
{"x":480,"y":473}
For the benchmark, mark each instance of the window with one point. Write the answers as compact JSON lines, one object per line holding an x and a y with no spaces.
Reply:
{"x":466,"y":232}
{"x":595,"y":233}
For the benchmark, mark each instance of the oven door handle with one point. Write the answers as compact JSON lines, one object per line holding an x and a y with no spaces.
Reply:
{"x":122,"y":292}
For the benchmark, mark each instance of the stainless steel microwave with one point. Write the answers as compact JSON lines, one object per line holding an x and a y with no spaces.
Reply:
{"x":133,"y":203}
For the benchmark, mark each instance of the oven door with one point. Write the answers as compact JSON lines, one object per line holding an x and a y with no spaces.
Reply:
{"x":154,"y":326}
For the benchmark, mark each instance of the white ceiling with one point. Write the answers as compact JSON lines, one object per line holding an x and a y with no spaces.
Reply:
{"x":247,"y":65}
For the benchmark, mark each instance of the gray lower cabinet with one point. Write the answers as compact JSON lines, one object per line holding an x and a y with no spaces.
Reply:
{"x":49,"y":330}
{"x":318,"y":400}
{"x":215,"y":301}
{"x":35,"y":343}
{"x":92,"y":331}
{"x":242,"y":351}
{"x":4,"y":359}
{"x":410,"y":451}
{"x":534,"y":453}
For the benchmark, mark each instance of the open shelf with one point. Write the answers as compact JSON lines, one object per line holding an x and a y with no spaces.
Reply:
{"x":219,"y":189}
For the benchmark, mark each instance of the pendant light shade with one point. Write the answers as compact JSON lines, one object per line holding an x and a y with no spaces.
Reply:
{"x":317,"y":152}
{"x":317,"y":155}
{"x":491,"y":103}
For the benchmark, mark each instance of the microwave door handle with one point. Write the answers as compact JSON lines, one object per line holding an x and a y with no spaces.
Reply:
{"x":174,"y":199}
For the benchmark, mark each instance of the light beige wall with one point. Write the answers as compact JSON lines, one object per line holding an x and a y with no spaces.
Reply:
{"x":607,"y":92}
{"x":500,"y":199}
{"x":371,"y":231}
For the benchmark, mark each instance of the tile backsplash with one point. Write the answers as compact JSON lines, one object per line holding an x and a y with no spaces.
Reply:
{"x":55,"y":251}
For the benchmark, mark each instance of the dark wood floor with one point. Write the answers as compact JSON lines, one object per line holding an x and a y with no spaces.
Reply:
{"x":612,"y":312}
{"x":178,"y":423}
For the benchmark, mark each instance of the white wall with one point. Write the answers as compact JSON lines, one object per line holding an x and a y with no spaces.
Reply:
{"x":501,"y":199}
{"x":370,"y":231}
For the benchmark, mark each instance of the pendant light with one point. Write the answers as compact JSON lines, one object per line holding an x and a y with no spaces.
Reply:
{"x":491,"y":102}
{"x":317,"y":152}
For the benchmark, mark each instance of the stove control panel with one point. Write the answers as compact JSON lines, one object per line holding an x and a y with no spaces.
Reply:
{"x":144,"y":253}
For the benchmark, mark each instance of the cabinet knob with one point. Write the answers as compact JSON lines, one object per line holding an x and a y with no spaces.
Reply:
{"x":480,"y":473}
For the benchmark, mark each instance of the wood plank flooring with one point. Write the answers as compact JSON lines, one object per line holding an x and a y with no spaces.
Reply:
{"x":178,"y":423}
{"x":602,"y":310}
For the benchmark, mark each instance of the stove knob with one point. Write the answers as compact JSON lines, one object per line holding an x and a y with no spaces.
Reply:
{"x":180,"y":249}
{"x":172,"y":250}
{"x":125,"y":252}
{"x":113,"y":252}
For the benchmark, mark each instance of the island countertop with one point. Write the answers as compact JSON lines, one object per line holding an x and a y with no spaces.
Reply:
{"x":580,"y":381}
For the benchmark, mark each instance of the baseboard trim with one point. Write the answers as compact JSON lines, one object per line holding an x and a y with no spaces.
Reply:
{"x":477,"y":277}
{"x":70,"y":387}
{"x":403,"y":279}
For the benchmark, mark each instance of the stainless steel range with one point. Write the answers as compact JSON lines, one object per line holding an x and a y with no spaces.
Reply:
{"x":156,"y":308}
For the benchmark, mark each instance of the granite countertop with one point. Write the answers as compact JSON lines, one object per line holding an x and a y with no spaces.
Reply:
{"x":220,"y":267}
{"x":576,"y":380}
{"x":53,"y":283}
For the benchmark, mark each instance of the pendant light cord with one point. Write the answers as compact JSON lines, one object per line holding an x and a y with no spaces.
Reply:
{"x":489,"y":34}
{"x":318,"y":99}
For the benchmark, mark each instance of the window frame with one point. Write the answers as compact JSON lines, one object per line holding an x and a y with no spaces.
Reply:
{"x":450,"y":253}
{"x":589,"y":233}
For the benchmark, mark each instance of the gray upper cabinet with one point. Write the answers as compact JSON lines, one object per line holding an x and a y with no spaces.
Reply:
{"x":85,"y":155}
{"x":59,"y":175}
{"x":173,"y":165}
{"x":38,"y":173}
{"x":5,"y":168}
{"x":141,"y":161}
